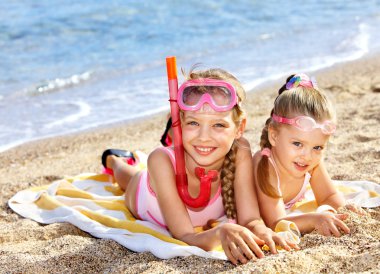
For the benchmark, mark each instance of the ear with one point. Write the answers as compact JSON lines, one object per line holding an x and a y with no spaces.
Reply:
{"x":241,"y":128}
{"x":272,"y":135}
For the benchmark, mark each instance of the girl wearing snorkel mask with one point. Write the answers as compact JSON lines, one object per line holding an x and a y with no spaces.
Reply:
{"x":293,"y":143}
{"x":212,"y":121}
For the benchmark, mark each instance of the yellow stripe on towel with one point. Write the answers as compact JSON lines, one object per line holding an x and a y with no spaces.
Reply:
{"x":305,"y":206}
{"x":128,"y":225}
{"x":45,"y":201}
{"x":114,"y":189}
{"x":39,"y":188}
{"x":74,"y":193}
{"x":346,"y":189}
{"x":116,"y":205}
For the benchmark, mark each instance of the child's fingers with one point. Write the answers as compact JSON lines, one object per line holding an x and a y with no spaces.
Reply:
{"x":252,"y":242}
{"x":233,"y":253}
{"x":244,"y":249}
{"x":293,"y":245}
{"x":341,"y":224}
{"x":229,"y":255}
{"x":334,"y":230}
{"x":341,"y":216}
{"x":236,"y":252}
{"x":257,"y":239}
{"x":272,"y":245}
{"x":325,"y":230}
{"x":356,"y":209}
{"x":280,"y":241}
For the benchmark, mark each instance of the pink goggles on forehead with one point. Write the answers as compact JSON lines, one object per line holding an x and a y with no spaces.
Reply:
{"x":306,"y":123}
{"x":193,"y":94}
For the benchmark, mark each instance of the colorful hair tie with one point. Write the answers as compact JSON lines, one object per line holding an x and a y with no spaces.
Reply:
{"x":265,"y":152}
{"x":301,"y":80}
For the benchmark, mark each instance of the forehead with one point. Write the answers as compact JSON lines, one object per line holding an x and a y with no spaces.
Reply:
{"x":206,"y":112}
{"x":314,"y":136}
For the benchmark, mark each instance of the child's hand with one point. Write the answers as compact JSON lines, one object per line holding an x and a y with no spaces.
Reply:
{"x":328,"y":224}
{"x":272,"y":239}
{"x":238,"y":243}
{"x":355,"y":208}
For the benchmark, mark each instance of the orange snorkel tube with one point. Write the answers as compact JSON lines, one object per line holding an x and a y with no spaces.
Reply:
{"x":181,"y":177}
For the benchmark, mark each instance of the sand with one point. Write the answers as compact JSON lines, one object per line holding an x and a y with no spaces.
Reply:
{"x":354,"y":154}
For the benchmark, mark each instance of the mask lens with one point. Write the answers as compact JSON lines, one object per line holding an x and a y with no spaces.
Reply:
{"x":328,"y":128}
{"x":192,"y":95}
{"x":305,"y":123}
{"x":221,"y":96}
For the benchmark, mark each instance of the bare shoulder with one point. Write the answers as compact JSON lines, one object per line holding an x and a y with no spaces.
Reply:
{"x":161,"y":170}
{"x":243,"y":152}
{"x":256,"y":158}
{"x":158,"y":157}
{"x":244,"y":142}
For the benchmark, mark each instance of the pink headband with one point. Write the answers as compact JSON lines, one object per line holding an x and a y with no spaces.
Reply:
{"x":301,"y":80}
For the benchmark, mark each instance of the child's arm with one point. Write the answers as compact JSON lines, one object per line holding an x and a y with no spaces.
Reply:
{"x":324,"y":191}
{"x":237,"y":241}
{"x":248,"y":213}
{"x":326,"y":194}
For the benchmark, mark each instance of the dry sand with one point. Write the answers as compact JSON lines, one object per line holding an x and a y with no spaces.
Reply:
{"x":30,"y":247}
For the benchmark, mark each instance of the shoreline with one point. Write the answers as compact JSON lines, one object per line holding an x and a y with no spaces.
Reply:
{"x":353,"y":154}
{"x":272,"y":82}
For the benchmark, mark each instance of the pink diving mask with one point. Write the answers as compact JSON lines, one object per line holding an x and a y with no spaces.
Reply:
{"x":193,"y":94}
{"x":306,"y":123}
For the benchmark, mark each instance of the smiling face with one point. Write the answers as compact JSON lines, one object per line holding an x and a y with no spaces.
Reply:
{"x":296,"y":152}
{"x":208,"y":137}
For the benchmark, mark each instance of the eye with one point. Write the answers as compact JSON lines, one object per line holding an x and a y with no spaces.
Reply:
{"x":318,"y":148}
{"x":192,"y":123}
{"x":220,"y":125}
{"x":297,"y":144}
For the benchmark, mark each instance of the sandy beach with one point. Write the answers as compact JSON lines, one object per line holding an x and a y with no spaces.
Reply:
{"x":354,"y":154}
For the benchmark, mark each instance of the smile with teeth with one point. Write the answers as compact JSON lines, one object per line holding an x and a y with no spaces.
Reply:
{"x":300,"y":166}
{"x":204,"y":150}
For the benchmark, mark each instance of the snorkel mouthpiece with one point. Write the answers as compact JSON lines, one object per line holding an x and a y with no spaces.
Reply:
{"x":205,"y":188}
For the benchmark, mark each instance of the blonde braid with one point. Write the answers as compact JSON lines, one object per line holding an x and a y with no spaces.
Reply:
{"x":227,"y":177}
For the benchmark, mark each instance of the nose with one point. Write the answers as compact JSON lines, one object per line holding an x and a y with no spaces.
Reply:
{"x":204,"y":133}
{"x":307,"y":154}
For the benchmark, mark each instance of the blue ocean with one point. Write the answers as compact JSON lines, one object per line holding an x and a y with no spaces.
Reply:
{"x":68,"y":66}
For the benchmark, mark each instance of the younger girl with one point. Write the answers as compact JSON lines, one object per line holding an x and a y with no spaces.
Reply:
{"x":293,"y":142}
{"x":213,"y":122}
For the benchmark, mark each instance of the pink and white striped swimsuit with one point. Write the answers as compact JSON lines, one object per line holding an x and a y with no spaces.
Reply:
{"x":148,"y":209}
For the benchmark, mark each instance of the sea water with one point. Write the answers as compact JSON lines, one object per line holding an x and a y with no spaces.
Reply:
{"x":67,"y":66}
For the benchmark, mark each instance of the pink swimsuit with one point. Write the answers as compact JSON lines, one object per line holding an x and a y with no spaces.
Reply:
{"x":148,"y":209}
{"x":300,"y":195}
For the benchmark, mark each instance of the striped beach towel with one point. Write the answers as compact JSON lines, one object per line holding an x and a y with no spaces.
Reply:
{"x":95,"y":205}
